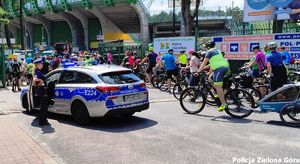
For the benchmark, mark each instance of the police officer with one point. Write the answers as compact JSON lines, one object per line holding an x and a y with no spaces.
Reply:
{"x":40,"y":90}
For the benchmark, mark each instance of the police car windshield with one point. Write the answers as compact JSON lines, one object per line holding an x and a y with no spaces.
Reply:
{"x":122,"y":77}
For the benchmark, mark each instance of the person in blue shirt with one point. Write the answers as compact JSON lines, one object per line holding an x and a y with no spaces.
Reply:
{"x":275,"y":67}
{"x":286,"y":55}
{"x":170,"y":62}
{"x":40,"y":91}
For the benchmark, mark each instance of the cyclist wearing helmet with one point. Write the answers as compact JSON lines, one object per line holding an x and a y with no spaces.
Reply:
{"x":16,"y":72}
{"x":170,"y":65}
{"x":276,"y":68}
{"x":220,"y":67}
{"x":151,"y":58}
{"x":183,"y":59}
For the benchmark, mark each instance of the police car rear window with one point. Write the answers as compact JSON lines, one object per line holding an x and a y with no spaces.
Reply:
{"x":123,"y":77}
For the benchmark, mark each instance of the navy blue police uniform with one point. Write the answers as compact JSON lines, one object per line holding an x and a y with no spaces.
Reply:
{"x":41,"y":92}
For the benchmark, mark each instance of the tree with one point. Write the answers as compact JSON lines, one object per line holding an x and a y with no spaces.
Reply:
{"x":188,"y":16}
{"x":4,"y":20}
{"x":237,"y":14}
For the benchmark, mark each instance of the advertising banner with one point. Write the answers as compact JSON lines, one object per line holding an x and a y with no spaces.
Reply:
{"x":264,"y":10}
{"x":162,"y":45}
{"x":241,"y":47}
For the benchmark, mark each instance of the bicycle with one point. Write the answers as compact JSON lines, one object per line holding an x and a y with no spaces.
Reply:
{"x":162,"y":81}
{"x":245,"y":81}
{"x":181,"y":84}
{"x":236,"y":98}
{"x":15,"y":82}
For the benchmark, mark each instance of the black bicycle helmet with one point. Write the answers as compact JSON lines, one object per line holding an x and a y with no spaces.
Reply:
{"x":210,"y":44}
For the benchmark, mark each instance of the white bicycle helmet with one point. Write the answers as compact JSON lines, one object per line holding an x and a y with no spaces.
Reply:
{"x":272,"y":45}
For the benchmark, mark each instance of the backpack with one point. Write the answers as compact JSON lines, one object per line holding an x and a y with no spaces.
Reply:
{"x":16,"y":67}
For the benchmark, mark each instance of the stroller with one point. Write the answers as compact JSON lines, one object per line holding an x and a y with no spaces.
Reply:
{"x":286,"y":102}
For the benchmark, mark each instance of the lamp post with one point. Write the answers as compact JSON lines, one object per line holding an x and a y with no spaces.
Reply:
{"x":196,"y":28}
{"x":174,"y":19}
{"x":2,"y":56}
{"x":21,"y":24}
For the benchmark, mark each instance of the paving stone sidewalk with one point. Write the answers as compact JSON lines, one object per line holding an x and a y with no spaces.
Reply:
{"x":17,"y":147}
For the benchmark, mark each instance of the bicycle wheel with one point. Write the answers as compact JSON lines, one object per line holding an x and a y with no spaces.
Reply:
{"x":255,"y":94}
{"x":192,"y":101}
{"x":293,"y":116}
{"x":209,"y":99}
{"x":153,"y":81}
{"x":162,"y":83}
{"x":178,"y":88}
{"x":240,"y":103}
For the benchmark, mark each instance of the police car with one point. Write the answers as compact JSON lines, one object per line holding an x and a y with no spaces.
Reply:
{"x":95,"y":91}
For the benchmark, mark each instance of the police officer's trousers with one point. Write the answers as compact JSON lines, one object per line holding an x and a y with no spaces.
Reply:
{"x":43,"y":99}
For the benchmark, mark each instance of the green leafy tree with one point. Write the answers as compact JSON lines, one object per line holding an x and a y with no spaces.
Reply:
{"x":3,"y":16}
{"x":4,"y":20}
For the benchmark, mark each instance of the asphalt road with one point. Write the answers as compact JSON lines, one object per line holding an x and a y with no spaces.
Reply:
{"x":165,"y":134}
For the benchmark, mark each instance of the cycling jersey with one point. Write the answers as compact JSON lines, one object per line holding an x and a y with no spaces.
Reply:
{"x":216,"y":59}
{"x":183,"y":59}
{"x":170,"y":61}
{"x":152,"y":58}
{"x":275,"y":58}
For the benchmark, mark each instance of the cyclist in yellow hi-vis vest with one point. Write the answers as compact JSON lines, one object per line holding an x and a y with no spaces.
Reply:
{"x":220,"y":68}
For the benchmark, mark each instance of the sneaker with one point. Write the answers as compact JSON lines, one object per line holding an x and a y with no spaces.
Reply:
{"x":222,"y":107}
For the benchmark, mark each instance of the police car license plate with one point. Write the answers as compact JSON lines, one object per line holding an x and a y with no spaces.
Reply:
{"x":131,"y":98}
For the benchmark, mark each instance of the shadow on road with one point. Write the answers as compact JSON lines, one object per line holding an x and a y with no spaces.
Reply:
{"x":111,"y":124}
{"x":228,"y":119}
{"x":280,"y":123}
{"x":46,"y":129}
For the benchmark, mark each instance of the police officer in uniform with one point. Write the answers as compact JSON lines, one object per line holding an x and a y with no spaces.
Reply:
{"x":40,"y":90}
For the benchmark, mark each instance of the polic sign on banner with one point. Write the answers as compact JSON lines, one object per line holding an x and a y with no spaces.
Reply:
{"x":241,"y":47}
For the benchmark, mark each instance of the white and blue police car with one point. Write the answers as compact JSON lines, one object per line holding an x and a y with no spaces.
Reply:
{"x":94,"y":91}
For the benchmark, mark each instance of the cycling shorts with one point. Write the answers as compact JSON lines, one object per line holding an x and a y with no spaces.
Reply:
{"x":172,"y":72}
{"x":150,"y":68}
{"x":219,"y":74}
{"x":16,"y":74}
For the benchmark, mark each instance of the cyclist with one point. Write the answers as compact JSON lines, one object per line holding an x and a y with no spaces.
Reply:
{"x":128,"y":60}
{"x":194,"y":67}
{"x":275,"y":67}
{"x":220,"y":67}
{"x":23,"y":69}
{"x":258,"y":63}
{"x":16,"y":72}
{"x":170,"y":62}
{"x":286,"y":55}
{"x":29,"y":73}
{"x":151,"y":58}
{"x":183,"y":59}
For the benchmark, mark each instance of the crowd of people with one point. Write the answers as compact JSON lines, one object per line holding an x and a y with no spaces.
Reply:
{"x":270,"y":60}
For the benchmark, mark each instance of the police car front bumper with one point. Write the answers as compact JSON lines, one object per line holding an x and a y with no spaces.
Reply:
{"x":121,"y":111}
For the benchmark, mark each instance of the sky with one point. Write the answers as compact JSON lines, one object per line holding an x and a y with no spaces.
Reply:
{"x":161,"y":5}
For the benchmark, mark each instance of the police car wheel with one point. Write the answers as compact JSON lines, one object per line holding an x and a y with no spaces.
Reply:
{"x":80,"y":113}
{"x":26,"y":104}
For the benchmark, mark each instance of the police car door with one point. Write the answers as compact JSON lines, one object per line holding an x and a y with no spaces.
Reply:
{"x":64,"y":90}
{"x":51,"y":81}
